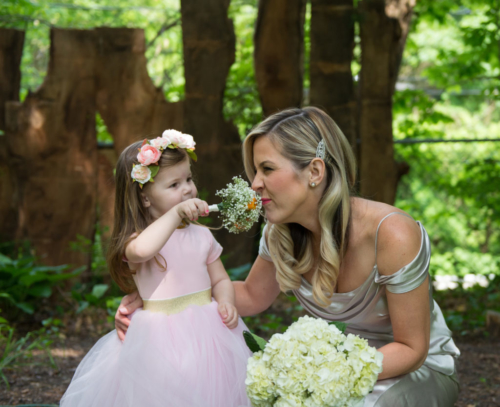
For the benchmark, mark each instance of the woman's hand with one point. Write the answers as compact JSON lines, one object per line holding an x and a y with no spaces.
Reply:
{"x":128,"y":305}
{"x":229,"y":314}
{"x":192,"y":209}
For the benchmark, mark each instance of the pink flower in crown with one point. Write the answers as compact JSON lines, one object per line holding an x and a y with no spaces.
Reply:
{"x":148,"y":155}
{"x":160,"y":143}
{"x":141,"y":174}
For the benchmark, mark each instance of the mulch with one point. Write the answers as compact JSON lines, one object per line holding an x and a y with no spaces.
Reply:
{"x":479,"y":370}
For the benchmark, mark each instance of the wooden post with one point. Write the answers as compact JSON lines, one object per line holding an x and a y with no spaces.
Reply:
{"x":52,"y":149}
{"x":11,"y":51}
{"x":279,"y":53}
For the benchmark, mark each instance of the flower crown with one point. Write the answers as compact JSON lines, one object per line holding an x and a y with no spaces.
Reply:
{"x":151,"y":150}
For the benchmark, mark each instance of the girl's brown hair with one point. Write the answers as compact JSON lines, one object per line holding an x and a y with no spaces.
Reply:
{"x":297,"y":133}
{"x":131,"y":217}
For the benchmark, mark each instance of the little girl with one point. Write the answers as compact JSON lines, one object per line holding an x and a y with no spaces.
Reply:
{"x":183,"y":349}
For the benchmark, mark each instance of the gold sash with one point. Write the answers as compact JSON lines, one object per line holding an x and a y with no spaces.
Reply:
{"x":178,"y":304}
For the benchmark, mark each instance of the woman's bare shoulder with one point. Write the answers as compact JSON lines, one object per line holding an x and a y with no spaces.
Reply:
{"x":399,"y":237}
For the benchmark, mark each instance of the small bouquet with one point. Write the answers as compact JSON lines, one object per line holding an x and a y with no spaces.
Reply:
{"x":240,"y":206}
{"x":312,"y":364}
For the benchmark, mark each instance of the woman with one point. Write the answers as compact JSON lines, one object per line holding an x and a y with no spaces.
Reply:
{"x":345,"y":258}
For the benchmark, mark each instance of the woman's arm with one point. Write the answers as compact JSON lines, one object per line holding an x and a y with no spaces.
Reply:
{"x":259,"y":290}
{"x":128,"y":305}
{"x":399,"y":243}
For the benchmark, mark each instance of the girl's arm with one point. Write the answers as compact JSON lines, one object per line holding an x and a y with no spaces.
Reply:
{"x":223,"y":292}
{"x":145,"y":246}
{"x":250,"y":297}
{"x":259,"y":290}
{"x":399,"y":243}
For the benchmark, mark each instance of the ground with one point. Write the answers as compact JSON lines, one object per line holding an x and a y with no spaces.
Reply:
{"x":479,"y":369}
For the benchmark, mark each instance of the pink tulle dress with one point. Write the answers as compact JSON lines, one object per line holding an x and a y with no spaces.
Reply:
{"x":177,"y":351}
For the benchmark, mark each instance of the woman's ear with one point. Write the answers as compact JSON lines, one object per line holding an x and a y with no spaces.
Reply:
{"x":316,"y":171}
{"x":145,"y":200}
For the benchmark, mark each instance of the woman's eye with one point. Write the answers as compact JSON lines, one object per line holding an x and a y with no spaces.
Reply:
{"x":267,"y":169}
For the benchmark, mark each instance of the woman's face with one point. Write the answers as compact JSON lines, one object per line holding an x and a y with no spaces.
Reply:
{"x":285,"y":191}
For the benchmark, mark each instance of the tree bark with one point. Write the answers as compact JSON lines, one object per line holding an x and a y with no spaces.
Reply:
{"x":209,"y":51}
{"x":279,"y":54}
{"x":130,"y":105}
{"x":332,"y":45}
{"x":53,"y":151}
{"x":382,"y":43}
{"x":11,"y":51}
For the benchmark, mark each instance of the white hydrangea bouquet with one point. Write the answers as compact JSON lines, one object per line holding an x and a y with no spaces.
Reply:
{"x":240,"y":207}
{"x":312,"y":364}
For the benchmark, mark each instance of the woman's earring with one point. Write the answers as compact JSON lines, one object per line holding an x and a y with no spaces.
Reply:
{"x":313,"y":184}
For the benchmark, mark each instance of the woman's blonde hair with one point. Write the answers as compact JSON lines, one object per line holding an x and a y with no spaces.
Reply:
{"x":297,"y":133}
{"x":130,"y":214}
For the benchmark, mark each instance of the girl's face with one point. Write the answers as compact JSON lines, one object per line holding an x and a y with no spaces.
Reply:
{"x":285,"y":191}
{"x":171,"y":186}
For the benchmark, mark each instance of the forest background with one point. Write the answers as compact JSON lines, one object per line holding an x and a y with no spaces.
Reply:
{"x":448,"y":89}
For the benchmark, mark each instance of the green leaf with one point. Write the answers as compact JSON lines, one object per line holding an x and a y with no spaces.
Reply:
{"x":154,"y":170}
{"x":192,"y":154}
{"x":255,"y":343}
{"x":5,"y":260}
{"x":341,"y":326}
{"x":25,"y":307}
{"x":40,"y":291}
{"x":99,"y":289}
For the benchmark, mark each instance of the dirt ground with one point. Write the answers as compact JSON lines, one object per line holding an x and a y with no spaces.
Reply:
{"x":479,"y":372}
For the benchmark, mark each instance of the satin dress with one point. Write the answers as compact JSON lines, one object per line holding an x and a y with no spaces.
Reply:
{"x":365,"y":310}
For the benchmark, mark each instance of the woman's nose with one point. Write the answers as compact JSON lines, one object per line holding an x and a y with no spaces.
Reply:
{"x":257,"y":183}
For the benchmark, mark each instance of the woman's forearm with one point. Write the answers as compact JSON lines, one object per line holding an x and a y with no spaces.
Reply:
{"x":245,"y":304}
{"x":400,"y":359}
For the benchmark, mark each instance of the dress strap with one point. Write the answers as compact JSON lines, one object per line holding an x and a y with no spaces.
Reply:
{"x":380,"y":223}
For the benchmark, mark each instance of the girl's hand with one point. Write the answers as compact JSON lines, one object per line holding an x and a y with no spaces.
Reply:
{"x":128,"y":305}
{"x":229,"y":314}
{"x":192,"y":209}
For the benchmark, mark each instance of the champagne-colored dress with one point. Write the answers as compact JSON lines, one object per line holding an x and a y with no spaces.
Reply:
{"x":365,"y":310}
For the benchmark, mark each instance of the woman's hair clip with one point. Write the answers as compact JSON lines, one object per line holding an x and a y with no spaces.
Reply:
{"x":151,"y":150}
{"x":320,"y":150}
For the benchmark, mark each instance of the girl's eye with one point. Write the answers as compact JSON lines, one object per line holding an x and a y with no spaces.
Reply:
{"x":173,"y":185}
{"x":190,"y":179}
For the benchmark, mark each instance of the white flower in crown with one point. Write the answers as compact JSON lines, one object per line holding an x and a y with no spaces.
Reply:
{"x":141,"y":174}
{"x":161,"y":143}
{"x":171,"y":135}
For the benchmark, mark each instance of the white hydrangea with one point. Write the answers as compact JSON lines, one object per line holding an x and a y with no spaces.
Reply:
{"x":313,"y":364}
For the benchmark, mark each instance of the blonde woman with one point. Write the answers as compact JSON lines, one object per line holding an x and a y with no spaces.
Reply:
{"x":345,"y":258}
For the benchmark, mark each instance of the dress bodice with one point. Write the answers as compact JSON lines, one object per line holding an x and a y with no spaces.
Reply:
{"x":366,"y":311}
{"x":180,"y":267}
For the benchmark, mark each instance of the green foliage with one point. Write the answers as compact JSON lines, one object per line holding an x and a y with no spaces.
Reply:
{"x":255,"y":343}
{"x":465,"y":310}
{"x":23,"y":283}
{"x":18,"y":351}
{"x":341,"y":326}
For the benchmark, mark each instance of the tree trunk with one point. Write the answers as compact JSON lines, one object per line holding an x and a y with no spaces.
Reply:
{"x":52,"y":150}
{"x":11,"y":51}
{"x":209,"y":50}
{"x":382,"y":43}
{"x":130,"y":105}
{"x":332,"y":44}
{"x":279,"y":54}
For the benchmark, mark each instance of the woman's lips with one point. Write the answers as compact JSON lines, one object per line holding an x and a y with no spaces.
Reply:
{"x":265,"y":201}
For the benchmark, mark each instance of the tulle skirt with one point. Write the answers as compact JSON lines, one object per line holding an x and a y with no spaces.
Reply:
{"x":187,"y":359}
